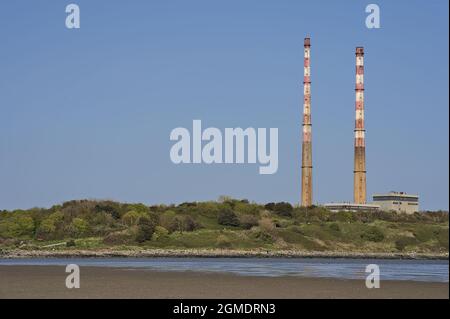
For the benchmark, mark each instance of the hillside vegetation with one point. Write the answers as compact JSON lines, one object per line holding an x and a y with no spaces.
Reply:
{"x":225,"y":224}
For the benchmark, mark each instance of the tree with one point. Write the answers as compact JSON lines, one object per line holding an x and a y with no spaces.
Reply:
{"x":146,"y":228}
{"x":227,"y":217}
{"x":166,"y":220}
{"x":132,"y":217}
{"x":79,"y":227}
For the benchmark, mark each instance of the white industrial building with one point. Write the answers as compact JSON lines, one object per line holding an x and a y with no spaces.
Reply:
{"x":397,"y":201}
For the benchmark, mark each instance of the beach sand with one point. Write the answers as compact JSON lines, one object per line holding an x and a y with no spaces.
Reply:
{"x":98,"y":282}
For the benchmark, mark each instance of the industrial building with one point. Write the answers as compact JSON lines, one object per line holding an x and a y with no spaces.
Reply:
{"x":351,"y":207}
{"x":397,"y":201}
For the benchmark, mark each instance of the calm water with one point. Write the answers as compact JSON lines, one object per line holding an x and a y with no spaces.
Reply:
{"x":422,"y":270}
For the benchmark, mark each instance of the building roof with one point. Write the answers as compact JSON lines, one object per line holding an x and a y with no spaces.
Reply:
{"x":396,"y":194}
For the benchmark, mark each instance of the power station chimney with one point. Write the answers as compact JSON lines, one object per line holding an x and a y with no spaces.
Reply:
{"x":359,"y":191}
{"x":306,"y":146}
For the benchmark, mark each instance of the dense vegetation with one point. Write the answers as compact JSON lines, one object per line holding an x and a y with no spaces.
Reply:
{"x":227,"y":224}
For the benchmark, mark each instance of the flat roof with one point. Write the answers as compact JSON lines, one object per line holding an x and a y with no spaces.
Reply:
{"x":354,"y":205}
{"x":392,"y":194}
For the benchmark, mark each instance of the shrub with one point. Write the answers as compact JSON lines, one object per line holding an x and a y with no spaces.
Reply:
{"x":283,"y":209}
{"x":160,"y":232}
{"x":404,"y":241}
{"x":227,"y":217}
{"x":167,"y":220}
{"x":266,"y":225}
{"x":248,"y":221}
{"x":335,"y":227}
{"x":70,"y":243}
{"x":188,"y":223}
{"x":373,"y":234}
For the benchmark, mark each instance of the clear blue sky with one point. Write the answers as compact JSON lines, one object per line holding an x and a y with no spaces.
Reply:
{"x":87,"y":113}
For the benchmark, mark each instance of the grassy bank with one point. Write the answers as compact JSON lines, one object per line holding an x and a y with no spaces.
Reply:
{"x":227,"y":225}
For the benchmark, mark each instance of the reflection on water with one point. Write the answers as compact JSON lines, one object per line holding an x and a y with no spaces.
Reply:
{"x":417,"y":270}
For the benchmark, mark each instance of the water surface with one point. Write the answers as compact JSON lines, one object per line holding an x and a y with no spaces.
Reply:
{"x":415,"y":270}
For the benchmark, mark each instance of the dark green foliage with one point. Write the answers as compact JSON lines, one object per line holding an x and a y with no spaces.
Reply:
{"x":404,"y":241}
{"x":281,"y":208}
{"x":373,"y":234}
{"x":70,"y":243}
{"x":146,"y":228}
{"x":227,"y":217}
{"x":109,"y":208}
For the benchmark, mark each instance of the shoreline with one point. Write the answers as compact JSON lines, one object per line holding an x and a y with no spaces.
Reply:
{"x":212,"y":253}
{"x":43,"y":282}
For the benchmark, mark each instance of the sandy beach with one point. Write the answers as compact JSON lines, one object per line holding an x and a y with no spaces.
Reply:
{"x":98,"y":282}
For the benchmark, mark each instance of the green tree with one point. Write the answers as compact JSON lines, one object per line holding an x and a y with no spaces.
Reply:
{"x":227,"y":217}
{"x":146,"y":228}
{"x":79,"y":227}
{"x":132,"y":217}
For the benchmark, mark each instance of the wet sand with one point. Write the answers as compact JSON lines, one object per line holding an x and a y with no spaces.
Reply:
{"x":98,"y":282}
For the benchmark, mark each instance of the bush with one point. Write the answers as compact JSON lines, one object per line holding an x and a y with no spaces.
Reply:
{"x":248,"y":221}
{"x":160,"y":232}
{"x":335,"y":227}
{"x":404,"y":241}
{"x":373,"y":234}
{"x":70,"y":243}
{"x":223,"y":242}
{"x":227,"y":217}
{"x":283,"y":209}
{"x":167,"y":220}
{"x":266,"y":225}
{"x":188,"y":223}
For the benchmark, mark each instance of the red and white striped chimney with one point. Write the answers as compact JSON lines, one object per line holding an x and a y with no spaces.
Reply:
{"x":359,"y":190}
{"x":306,"y":199}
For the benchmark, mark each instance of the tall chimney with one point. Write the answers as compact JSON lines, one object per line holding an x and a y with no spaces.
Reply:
{"x":359,"y":191}
{"x":306,"y":146}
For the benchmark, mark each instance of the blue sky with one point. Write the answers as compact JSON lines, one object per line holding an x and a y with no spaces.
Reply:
{"x":87,"y":113}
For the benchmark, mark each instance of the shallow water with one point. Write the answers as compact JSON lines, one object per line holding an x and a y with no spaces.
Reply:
{"x":415,"y":270}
